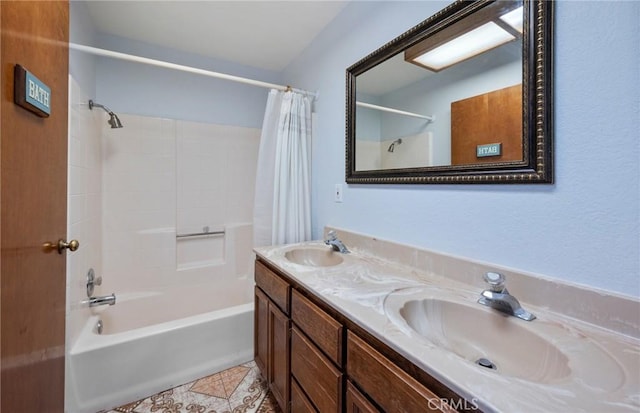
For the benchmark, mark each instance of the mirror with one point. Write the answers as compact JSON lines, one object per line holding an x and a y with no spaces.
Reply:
{"x":427,"y":108}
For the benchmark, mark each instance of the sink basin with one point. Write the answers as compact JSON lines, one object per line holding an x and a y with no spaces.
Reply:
{"x":314,"y":257}
{"x":487,"y":338}
{"x":546,"y":352}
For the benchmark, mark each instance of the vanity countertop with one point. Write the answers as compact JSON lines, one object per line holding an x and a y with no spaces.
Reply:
{"x":603,"y":364}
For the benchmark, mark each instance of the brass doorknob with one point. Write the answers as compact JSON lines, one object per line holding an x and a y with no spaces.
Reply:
{"x":71,"y":245}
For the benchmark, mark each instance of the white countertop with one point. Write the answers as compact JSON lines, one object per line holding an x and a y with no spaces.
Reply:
{"x":605,"y":365}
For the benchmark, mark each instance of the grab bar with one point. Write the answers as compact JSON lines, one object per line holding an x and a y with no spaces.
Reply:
{"x":205,"y":232}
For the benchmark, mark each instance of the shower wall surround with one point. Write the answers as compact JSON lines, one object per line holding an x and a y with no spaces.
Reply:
{"x":132,"y":189}
{"x":163,"y":177}
{"x":216,"y":171}
{"x":414,"y":151}
{"x":84,"y":200}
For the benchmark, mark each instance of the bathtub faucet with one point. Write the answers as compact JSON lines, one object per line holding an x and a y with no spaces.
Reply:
{"x":103,"y":300}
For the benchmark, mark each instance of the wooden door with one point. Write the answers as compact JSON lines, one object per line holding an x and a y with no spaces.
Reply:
{"x":494,"y":117}
{"x":33,"y":176}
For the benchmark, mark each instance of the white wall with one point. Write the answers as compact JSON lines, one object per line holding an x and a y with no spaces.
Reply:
{"x":583,"y":229}
{"x":84,"y":200}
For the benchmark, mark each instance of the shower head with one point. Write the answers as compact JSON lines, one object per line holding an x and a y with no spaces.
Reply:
{"x":393,"y":144}
{"x":114,"y":121}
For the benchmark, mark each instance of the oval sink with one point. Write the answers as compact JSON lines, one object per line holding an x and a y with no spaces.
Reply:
{"x":538,"y":351}
{"x":486,"y":338}
{"x":314,"y":257}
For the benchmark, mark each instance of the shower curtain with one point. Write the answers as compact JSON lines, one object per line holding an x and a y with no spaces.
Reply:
{"x":282,"y":207}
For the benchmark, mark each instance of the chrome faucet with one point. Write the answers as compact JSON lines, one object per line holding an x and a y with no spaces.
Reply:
{"x":497,"y":297}
{"x":335,"y":243}
{"x":103,"y":300}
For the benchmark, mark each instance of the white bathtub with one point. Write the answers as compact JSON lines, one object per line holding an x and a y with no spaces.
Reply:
{"x":150,"y":344}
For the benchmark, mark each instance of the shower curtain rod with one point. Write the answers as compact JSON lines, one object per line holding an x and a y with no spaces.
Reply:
{"x":183,"y":68}
{"x":399,"y":112}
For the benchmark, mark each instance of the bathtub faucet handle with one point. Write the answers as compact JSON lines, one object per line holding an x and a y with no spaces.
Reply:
{"x":92,"y":281}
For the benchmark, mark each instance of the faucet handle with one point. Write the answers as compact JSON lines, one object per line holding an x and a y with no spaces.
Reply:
{"x":495,"y":280}
{"x":92,"y":281}
{"x":331,"y":235}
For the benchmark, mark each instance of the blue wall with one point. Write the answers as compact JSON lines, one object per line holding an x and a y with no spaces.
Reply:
{"x":127,"y":87}
{"x":584,"y":228}
{"x":82,"y":66}
{"x":152,"y":91}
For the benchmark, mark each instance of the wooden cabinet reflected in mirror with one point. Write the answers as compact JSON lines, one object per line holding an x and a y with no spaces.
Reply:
{"x":483,"y":116}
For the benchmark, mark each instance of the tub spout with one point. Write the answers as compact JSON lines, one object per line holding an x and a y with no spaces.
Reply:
{"x":103,"y":300}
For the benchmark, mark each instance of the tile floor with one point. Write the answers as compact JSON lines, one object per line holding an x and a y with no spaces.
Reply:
{"x":239,"y":389}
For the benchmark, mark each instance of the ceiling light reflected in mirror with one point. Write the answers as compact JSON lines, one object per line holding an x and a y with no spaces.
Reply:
{"x":467,"y":38}
{"x":477,"y":41}
{"x":514,"y":19}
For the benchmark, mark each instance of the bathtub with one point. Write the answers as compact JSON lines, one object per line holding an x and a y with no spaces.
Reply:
{"x":150,"y":343}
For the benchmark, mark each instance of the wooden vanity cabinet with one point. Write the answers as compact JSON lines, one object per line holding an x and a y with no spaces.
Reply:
{"x":314,"y":362}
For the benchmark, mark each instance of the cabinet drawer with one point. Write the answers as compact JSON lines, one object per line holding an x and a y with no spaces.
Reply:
{"x":357,"y":403}
{"x":299,"y":401}
{"x":317,"y":376}
{"x":275,"y":287}
{"x":387,"y":384}
{"x":322,"y":329}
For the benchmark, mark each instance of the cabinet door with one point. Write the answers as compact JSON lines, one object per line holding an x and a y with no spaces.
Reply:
{"x":278,"y":364}
{"x":357,"y":403}
{"x":261,"y":331}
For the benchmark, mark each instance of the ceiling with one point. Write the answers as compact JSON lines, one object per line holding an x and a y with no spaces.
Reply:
{"x":264,"y":34}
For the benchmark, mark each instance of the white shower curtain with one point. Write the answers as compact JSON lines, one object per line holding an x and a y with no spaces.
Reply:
{"x":282,"y":207}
